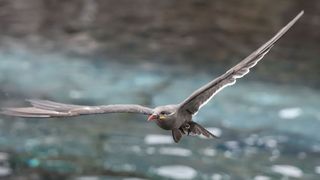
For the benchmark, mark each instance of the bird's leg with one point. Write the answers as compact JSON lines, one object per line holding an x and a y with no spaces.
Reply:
{"x":197,"y":129}
{"x":185,"y":128}
{"x":194,"y":128}
{"x":182,"y":130}
{"x":190,"y":128}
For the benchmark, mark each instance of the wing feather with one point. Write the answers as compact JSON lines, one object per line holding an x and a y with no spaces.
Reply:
{"x":44,"y":108}
{"x":201,"y":96}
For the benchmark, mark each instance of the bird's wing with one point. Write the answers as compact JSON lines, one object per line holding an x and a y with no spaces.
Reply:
{"x":44,"y":108}
{"x":199,"y":98}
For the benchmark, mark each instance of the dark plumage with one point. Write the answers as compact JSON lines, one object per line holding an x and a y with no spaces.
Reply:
{"x":177,"y":117}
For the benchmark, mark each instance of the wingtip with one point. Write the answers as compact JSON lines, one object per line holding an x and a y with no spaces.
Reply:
{"x":298,"y":16}
{"x":21,"y":112}
{"x":301,"y":13}
{"x":5,"y":111}
{"x":33,"y":101}
{"x":8,"y":112}
{"x":2,"y":112}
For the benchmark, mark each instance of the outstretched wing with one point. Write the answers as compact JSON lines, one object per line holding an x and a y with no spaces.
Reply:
{"x":43,"y":108}
{"x":199,"y":98}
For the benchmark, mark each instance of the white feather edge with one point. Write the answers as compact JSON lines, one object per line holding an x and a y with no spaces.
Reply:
{"x":233,"y":82}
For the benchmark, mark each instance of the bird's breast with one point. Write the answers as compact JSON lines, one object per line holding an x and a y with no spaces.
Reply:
{"x":174,"y":122}
{"x":166,"y":124}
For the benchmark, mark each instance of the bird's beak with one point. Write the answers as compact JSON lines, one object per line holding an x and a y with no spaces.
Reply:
{"x":153,"y":117}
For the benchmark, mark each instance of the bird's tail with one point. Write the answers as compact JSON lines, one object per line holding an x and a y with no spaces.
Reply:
{"x":197,"y":129}
{"x":193,"y":129}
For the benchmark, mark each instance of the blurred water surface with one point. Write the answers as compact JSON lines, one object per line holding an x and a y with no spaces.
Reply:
{"x":267,"y":130}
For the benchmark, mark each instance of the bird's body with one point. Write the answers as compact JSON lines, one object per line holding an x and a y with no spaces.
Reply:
{"x":178,"y":121}
{"x":176,"y":117}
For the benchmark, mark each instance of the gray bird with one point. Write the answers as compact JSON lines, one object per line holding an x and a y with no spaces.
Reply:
{"x":176,"y":117}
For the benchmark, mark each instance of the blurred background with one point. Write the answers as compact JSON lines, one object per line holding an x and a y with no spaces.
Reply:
{"x":152,"y":53}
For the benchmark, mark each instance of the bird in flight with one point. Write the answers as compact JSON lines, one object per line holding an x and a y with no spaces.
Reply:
{"x":175,"y":117}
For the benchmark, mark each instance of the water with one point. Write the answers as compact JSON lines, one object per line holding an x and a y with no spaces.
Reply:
{"x":267,"y":131}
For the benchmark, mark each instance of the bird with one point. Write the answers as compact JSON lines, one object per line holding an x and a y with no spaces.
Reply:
{"x":177,"y":118}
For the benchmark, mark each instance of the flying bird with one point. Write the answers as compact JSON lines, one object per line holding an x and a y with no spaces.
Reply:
{"x":175,"y":117}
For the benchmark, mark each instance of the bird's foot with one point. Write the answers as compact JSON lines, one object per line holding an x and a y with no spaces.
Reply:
{"x":185,"y":128}
{"x":182,"y":130}
{"x":197,"y":129}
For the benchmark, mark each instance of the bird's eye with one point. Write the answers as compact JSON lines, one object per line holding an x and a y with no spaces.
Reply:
{"x":164,"y":112}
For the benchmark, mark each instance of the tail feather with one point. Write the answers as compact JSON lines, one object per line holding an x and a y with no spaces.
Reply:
{"x":191,"y":128}
{"x":197,"y":129}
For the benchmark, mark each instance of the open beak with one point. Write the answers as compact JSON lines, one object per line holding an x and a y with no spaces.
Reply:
{"x":153,"y":117}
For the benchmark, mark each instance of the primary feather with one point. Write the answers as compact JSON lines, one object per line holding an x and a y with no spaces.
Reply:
{"x":201,"y":96}
{"x":44,"y":108}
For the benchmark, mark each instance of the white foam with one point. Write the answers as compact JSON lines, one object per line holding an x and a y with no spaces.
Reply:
{"x":150,"y":150}
{"x":260,"y":177}
{"x":317,"y":169}
{"x":216,"y":177}
{"x":275,"y":154}
{"x":87,"y":178}
{"x":5,"y":171}
{"x":129,"y":167}
{"x":177,"y":172}
{"x":209,"y":152}
{"x":290,"y":113}
{"x":232,"y":144}
{"x":175,"y":151}
{"x":316,"y":148}
{"x":215,"y":131}
{"x":158,"y":139}
{"x":227,"y":154}
{"x":4,"y":156}
{"x":288,"y":170}
{"x":135,"y":149}
{"x":271,"y":143}
{"x":252,"y":139}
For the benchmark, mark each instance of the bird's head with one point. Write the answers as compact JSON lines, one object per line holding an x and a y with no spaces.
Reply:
{"x":162,"y":113}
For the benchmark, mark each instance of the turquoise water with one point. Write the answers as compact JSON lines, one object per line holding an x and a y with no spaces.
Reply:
{"x":267,"y":131}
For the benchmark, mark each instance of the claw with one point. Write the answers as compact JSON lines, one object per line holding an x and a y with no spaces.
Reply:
{"x":187,"y":126}
{"x":182,"y":130}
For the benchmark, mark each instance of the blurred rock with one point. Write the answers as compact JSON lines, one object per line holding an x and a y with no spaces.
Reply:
{"x":166,"y":31}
